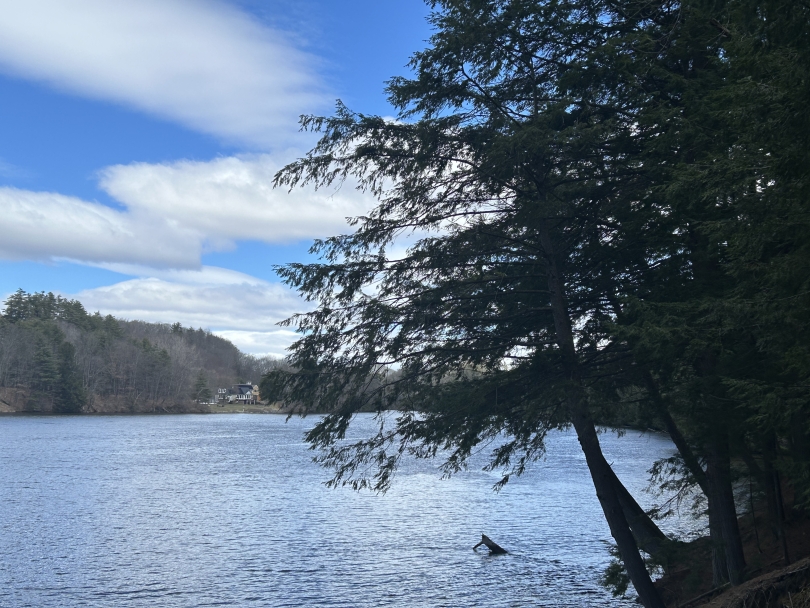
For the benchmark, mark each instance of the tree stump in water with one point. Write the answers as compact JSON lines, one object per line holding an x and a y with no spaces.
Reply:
{"x":494,"y":548}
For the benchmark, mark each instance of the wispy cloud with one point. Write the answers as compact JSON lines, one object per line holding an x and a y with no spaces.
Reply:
{"x":45,"y":225}
{"x":9,"y":170}
{"x":172,"y":214}
{"x":199,"y":62}
{"x":214,"y":69}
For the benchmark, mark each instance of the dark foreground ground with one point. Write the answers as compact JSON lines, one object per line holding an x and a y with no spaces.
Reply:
{"x":772,"y":583}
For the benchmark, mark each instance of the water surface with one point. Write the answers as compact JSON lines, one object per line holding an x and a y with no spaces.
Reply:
{"x":229,"y":510}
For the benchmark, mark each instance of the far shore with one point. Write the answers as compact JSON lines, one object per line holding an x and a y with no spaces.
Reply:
{"x":22,"y":402}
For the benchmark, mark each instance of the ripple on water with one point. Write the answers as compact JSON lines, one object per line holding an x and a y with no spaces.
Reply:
{"x":229,"y":510}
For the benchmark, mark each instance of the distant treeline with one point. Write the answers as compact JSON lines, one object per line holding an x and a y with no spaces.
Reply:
{"x":55,"y":356}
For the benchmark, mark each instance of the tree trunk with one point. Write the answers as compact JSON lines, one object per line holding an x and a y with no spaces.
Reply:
{"x":721,"y":503}
{"x":602,"y":476}
{"x":689,"y":458}
{"x":601,"y":473}
{"x":780,"y":508}
{"x":648,"y":535}
{"x":719,"y":564}
{"x":769,"y":486}
{"x":768,"y":479}
{"x":773,"y":490}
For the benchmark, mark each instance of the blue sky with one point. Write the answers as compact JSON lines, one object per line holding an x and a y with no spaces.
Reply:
{"x":140,"y":140}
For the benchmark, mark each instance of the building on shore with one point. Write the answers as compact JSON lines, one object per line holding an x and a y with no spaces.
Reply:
{"x":246,"y":394}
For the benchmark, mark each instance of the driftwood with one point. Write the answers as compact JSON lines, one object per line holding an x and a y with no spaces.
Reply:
{"x":494,"y":548}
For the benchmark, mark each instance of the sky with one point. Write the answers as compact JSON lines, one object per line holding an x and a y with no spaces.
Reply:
{"x":140,"y":139}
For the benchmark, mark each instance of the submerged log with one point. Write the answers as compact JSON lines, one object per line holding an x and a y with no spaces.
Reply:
{"x":494,"y":548}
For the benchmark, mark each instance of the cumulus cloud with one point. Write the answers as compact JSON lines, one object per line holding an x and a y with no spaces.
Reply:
{"x":199,"y":62}
{"x":232,"y":198}
{"x":244,"y":303}
{"x":238,"y":307}
{"x":171,"y":214}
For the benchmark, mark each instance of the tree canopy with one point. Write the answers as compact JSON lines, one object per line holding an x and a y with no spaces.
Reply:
{"x":589,"y":212}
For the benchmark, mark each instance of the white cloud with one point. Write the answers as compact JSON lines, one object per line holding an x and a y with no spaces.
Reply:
{"x":238,"y":307}
{"x":199,"y":62}
{"x":274,"y":343}
{"x":232,"y":198}
{"x":43,"y":225}
{"x":205,"y":275}
{"x":214,"y":69}
{"x":241,"y":304}
{"x":172,"y":214}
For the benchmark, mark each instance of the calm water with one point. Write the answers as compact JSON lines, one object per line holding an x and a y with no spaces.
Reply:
{"x":228,"y":510}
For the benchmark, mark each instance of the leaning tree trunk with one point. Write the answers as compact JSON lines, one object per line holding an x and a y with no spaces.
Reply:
{"x":603,"y":481}
{"x":648,"y":535}
{"x":601,"y":473}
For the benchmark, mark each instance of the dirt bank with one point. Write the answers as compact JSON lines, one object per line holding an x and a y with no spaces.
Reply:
{"x":770,"y":578}
{"x":22,"y":401}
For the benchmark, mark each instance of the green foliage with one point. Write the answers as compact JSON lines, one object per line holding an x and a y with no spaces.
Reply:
{"x":614,"y":576}
{"x":46,"y":368}
{"x":201,"y":393}
{"x":70,"y":394}
{"x":725,"y":329}
{"x":22,"y":306}
{"x":509,"y":152}
{"x":650,"y":158}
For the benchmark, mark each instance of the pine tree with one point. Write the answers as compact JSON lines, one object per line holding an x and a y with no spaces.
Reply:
{"x":517,"y":154}
{"x":16,"y":306}
{"x":201,"y":393}
{"x":722,"y":323}
{"x":46,"y":368}
{"x":70,"y":396}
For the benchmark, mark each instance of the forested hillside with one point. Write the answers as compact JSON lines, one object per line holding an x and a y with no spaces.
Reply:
{"x":56,"y":357}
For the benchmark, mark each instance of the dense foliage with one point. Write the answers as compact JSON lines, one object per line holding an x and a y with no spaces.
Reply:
{"x":57,"y":357}
{"x":605,"y":201}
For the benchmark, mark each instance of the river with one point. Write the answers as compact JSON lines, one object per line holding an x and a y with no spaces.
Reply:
{"x":229,"y":510}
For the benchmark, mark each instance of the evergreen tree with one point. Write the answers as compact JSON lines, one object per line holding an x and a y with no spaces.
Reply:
{"x":201,"y":393}
{"x":16,"y":306}
{"x":721,"y":325}
{"x":70,"y":396}
{"x":46,"y":368}
{"x":518,"y":148}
